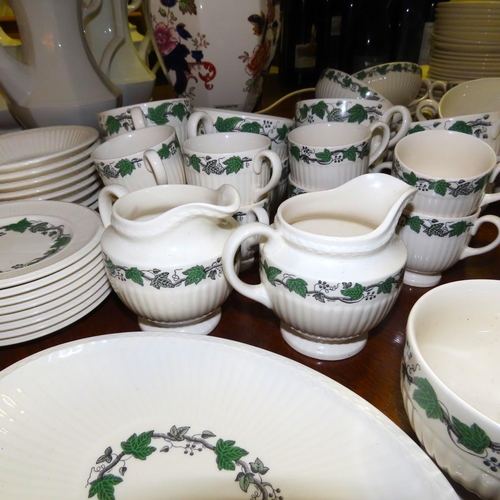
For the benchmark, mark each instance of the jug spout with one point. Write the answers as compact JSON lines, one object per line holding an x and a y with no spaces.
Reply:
{"x":362,"y":213}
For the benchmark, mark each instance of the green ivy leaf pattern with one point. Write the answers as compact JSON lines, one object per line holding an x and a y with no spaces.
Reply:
{"x":355,"y":292}
{"x":325,"y":156}
{"x":440,"y":187}
{"x":461,"y":126}
{"x":386,"y":286}
{"x":227,"y":453}
{"x":364,"y":91}
{"x":245,"y":479}
{"x":295,"y":152}
{"x":319,"y":109}
{"x":135,"y":275}
{"x":164,"y":152}
{"x":481,"y":183}
{"x":326,"y":292}
{"x":432,"y":227}
{"x":410,"y":178}
{"x":19,"y":227}
{"x":258,"y":467}
{"x":104,"y":487}
{"x":350,"y":154}
{"x":297,"y":285}
{"x":158,"y":115}
{"x":473,"y":438}
{"x":194,"y":275}
{"x":163,"y":279}
{"x":357,"y":114}
{"x":125,"y":167}
{"x":416,"y":128}
{"x":112,"y":125}
{"x":180,"y":111}
{"x":271,"y":273}
{"x":282,"y":133}
{"x":426,"y":398}
{"x":234,"y":165}
{"x":228,"y":456}
{"x":138,"y":445}
{"x":55,"y":233}
{"x":195,"y":162}
{"x":252,"y":127}
{"x":226,"y":124}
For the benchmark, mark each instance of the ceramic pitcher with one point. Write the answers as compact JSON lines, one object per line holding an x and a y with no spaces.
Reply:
{"x":58,"y":82}
{"x":125,"y":66}
{"x":162,"y":247}
{"x":332,"y":266}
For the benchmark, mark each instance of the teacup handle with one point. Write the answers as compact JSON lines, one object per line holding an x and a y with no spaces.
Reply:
{"x":276,"y":167}
{"x":491,"y":197}
{"x":274,"y":242}
{"x":107,"y":197}
{"x":469,"y":251}
{"x":405,"y":126}
{"x":437,"y":85}
{"x":381,"y":168}
{"x":430,"y":105}
{"x":259,"y":214}
{"x":138,"y":118}
{"x":386,"y":135}
{"x":194,"y":122}
{"x":155,"y":165}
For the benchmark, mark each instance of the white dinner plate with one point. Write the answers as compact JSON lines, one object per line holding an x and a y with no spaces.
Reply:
{"x":36,"y":288}
{"x":52,"y":325}
{"x":39,"y":238}
{"x":50,"y":300}
{"x":62,"y":310}
{"x":155,"y":416}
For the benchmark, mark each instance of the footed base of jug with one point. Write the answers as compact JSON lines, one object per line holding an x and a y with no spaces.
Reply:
{"x":412,"y":278}
{"x":200,"y":326}
{"x":333,"y":351}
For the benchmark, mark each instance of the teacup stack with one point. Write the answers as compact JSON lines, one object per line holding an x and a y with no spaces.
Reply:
{"x":50,"y":163}
{"x":452,"y":172}
{"x":326,"y":155}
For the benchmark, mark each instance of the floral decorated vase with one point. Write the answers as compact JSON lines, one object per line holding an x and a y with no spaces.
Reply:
{"x":218,"y":55}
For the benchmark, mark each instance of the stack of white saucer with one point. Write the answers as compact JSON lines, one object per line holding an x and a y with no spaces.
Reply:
{"x":50,"y":163}
{"x":51,"y":269}
{"x":465,"y":41}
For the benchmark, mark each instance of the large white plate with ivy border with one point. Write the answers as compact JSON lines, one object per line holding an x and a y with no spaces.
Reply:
{"x":154,"y":416}
{"x":38,"y":238}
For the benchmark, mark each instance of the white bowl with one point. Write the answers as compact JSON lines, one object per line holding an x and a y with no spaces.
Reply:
{"x":450,"y":380}
{"x":399,"y":82}
{"x":39,"y":146}
{"x":334,"y":83}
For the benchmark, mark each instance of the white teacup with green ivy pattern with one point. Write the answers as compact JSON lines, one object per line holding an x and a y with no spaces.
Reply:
{"x":173,"y":112}
{"x":435,"y":243}
{"x":241,"y":159}
{"x":485,"y":126}
{"x":451,"y":171}
{"x":141,"y":158}
{"x":354,"y":111}
{"x":326,"y":155}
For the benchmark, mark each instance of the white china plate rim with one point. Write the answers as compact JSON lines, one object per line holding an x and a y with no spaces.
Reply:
{"x":301,"y":386}
{"x":78,"y":312}
{"x":85,"y":223}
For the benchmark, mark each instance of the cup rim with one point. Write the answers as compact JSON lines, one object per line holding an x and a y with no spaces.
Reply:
{"x":212,"y":144}
{"x":448,"y":133}
{"x":124,"y":145}
{"x":314,"y":129}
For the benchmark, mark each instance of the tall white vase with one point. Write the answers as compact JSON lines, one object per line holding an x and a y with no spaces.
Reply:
{"x":216,"y":55}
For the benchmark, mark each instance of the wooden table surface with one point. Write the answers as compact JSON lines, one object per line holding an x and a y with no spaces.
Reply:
{"x":373,"y":374}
